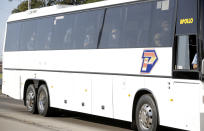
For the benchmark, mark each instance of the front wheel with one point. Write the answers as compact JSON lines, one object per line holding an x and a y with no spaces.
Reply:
{"x":146,"y":115}
{"x":43,"y":101}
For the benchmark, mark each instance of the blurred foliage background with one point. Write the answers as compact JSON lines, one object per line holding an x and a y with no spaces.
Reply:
{"x":23,"y":6}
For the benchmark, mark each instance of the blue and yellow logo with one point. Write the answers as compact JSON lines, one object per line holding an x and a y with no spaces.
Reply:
{"x":149,"y":60}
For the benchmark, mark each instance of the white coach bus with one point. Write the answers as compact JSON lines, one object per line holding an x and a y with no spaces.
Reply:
{"x":136,"y":61}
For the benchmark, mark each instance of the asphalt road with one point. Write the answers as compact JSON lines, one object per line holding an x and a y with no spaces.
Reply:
{"x":13,"y":116}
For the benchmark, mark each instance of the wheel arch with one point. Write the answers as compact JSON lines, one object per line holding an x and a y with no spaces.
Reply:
{"x":138,"y":94}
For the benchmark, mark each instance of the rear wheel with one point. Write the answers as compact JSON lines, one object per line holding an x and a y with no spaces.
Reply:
{"x":146,"y":115}
{"x":43,"y":101}
{"x":31,"y":99}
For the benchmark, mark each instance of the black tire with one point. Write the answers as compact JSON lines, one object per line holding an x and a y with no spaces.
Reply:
{"x":30,"y":99}
{"x":43,"y":101}
{"x":146,"y":116}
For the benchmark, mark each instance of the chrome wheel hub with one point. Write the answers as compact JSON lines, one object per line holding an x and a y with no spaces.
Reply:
{"x":145,"y":117}
{"x":42,"y":100}
{"x":30,"y":98}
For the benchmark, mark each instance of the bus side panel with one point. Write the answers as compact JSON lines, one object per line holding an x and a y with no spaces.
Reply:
{"x":61,"y":88}
{"x":124,"y":90}
{"x":102,"y":92}
{"x":186,"y":104}
{"x":180,"y":109}
{"x":111,"y":61}
{"x":11,"y":84}
{"x":82,"y":92}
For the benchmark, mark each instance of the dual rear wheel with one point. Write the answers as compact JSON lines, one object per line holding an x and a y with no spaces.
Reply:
{"x":37,"y":100}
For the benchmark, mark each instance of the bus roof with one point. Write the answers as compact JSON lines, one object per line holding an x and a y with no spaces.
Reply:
{"x":57,"y":9}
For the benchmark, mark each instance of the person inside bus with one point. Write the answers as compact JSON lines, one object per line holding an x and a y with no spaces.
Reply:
{"x":114,"y":37}
{"x":157,"y":39}
{"x":195,"y":62}
{"x":67,"y":38}
{"x":31,"y":41}
{"x":47,"y":44}
{"x":162,"y":35}
{"x":88,"y":40}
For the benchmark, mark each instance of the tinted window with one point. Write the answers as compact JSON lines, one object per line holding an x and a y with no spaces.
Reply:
{"x":12,"y":37}
{"x":44,"y":34}
{"x":62,"y":32}
{"x":28,"y":35}
{"x":72,"y":31}
{"x":68,"y":31}
{"x":163,"y":23}
{"x":127,"y":26}
{"x":113,"y":28}
{"x":137,"y":23}
{"x":148,"y":24}
{"x":87,"y":28}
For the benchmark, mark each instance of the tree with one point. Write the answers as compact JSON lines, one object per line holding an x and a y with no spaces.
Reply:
{"x":91,"y":1}
{"x":23,"y":6}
